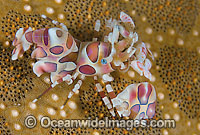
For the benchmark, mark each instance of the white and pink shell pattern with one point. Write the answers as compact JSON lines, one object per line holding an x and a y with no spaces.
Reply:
{"x":66,"y":59}
{"x":53,"y":46}
{"x":138,"y":101}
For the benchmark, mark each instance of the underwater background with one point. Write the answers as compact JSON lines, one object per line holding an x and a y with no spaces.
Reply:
{"x":170,"y":28}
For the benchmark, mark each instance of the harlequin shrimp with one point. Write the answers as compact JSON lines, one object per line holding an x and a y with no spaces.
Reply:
{"x":67,"y":59}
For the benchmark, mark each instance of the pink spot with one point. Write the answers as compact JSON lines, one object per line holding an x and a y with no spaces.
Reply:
{"x":65,"y":59}
{"x":135,"y":108}
{"x":92,"y":51}
{"x":69,"y":41}
{"x":106,"y":49}
{"x":141,"y":90}
{"x":56,"y":50}
{"x":133,"y":95}
{"x":149,"y":90}
{"x":46,"y":36}
{"x":105,"y":68}
{"x":29,"y":37}
{"x":87,"y":69}
{"x":50,"y":67}
{"x":64,"y":73}
{"x":151,"y":110}
{"x":37,"y":36}
{"x":126,"y":33}
{"x":144,"y":50}
{"x":41,"y":67}
{"x":140,"y":65}
{"x":121,"y":45}
{"x":38,"y":53}
{"x":143,"y":94}
{"x":59,"y":76}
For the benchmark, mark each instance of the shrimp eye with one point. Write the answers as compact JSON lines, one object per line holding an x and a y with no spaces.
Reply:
{"x":59,"y":33}
{"x":103,"y":61}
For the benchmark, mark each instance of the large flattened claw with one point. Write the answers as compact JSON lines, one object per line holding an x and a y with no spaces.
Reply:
{"x":137,"y":101}
{"x":126,"y":19}
{"x":20,"y":43}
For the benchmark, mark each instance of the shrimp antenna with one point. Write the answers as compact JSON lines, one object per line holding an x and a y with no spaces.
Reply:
{"x":55,"y":22}
{"x":36,"y":99}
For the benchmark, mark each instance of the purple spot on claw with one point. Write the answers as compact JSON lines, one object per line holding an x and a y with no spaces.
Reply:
{"x":57,"y":50}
